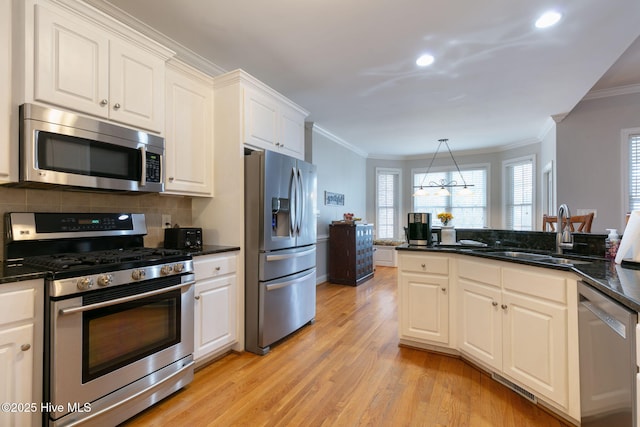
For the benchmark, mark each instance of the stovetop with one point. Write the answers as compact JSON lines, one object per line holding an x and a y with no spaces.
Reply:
{"x":114,"y":259}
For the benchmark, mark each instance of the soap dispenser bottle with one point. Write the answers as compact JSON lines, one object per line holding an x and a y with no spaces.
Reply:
{"x":611,"y":244}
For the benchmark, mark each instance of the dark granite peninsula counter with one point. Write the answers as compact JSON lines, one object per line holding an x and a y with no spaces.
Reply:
{"x":619,"y":283}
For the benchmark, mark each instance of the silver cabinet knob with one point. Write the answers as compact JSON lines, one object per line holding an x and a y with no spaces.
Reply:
{"x":104,"y":102}
{"x":197,"y":297}
{"x":171,"y":179}
{"x":504,"y":306}
{"x":423,"y":265}
{"x":25,"y":347}
{"x":116,"y":106}
{"x":444,"y":289}
{"x":494,"y":303}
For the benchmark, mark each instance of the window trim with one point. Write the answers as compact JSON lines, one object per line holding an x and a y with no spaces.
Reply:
{"x":463,"y":167}
{"x":505,"y":165}
{"x":625,"y":134}
{"x":397,"y":209}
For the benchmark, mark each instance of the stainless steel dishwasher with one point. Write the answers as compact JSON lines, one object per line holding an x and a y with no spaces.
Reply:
{"x":606,"y":332}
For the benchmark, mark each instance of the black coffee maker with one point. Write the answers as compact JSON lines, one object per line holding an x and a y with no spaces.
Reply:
{"x":419,"y":229}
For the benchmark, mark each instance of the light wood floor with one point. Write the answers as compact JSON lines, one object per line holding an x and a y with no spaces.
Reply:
{"x":345,"y":370}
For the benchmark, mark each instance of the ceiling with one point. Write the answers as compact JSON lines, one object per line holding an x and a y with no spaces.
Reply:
{"x":496,"y":79}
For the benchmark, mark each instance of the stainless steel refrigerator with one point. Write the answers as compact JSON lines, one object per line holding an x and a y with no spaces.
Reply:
{"x":280,"y":247}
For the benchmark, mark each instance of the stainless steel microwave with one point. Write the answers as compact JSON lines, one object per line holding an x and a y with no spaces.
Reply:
{"x":62,"y":148}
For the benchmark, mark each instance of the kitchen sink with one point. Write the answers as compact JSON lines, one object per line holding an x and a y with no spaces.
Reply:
{"x":516,"y":254}
{"x":542,"y":258}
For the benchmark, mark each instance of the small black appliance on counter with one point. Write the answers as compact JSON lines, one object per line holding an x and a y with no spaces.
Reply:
{"x":187,"y":238}
{"x":419,"y":232}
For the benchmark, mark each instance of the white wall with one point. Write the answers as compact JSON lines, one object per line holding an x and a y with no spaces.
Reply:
{"x":340,"y":170}
{"x":589,"y":157}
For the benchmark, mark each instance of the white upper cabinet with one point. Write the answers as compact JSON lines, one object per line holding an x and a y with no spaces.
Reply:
{"x":269,"y":120}
{"x":6,"y":125}
{"x":272,"y":124}
{"x":80,"y":64}
{"x":188,"y":131}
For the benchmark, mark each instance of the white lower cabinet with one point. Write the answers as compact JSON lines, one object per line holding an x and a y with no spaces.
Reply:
{"x":21,"y":344}
{"x":216,"y":290}
{"x":515,"y":320}
{"x":423,"y":295}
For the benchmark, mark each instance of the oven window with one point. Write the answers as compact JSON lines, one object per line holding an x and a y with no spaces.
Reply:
{"x":118,"y":335}
{"x":70,"y":154}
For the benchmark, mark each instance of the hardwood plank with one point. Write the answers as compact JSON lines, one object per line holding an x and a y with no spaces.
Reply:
{"x":346,"y":370}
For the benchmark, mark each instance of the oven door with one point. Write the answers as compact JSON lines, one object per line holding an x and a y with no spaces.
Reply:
{"x":109,"y":339}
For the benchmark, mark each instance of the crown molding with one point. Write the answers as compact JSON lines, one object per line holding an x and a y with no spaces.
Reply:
{"x":182,"y":52}
{"x":321,"y":131}
{"x":559,"y":117}
{"x":614,"y":91}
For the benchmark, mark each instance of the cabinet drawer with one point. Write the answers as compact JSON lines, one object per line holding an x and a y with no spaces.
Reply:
{"x":540,"y":285}
{"x":17,"y":305}
{"x":482,"y":272}
{"x":424,"y":264}
{"x":214,"y":266}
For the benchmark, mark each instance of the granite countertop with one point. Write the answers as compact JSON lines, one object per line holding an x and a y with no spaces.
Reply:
{"x":10,"y":273}
{"x":213,"y":249}
{"x":622,"y":284}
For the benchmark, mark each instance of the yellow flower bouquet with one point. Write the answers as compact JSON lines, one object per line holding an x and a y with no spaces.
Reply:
{"x":445,"y":217}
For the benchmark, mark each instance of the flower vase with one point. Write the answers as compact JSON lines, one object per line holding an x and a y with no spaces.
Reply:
{"x":448,"y":235}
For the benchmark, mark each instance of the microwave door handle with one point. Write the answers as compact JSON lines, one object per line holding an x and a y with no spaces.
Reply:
{"x":143,"y":178}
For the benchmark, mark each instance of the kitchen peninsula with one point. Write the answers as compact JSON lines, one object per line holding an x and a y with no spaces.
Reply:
{"x":511,"y":310}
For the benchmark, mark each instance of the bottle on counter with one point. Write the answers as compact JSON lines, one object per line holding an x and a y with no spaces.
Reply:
{"x":611,"y":244}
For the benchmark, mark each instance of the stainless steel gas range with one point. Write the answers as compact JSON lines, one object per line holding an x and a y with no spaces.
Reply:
{"x":118,"y":316}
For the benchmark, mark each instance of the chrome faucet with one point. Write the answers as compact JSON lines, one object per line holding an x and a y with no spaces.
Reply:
{"x":564,"y":238}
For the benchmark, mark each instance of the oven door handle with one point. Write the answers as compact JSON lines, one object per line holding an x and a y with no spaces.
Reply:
{"x":80,"y":309}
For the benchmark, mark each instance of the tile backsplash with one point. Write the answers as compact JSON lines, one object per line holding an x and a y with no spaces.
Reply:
{"x":153,"y":205}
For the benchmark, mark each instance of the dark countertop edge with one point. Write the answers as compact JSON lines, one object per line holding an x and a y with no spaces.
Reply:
{"x":600,"y":285}
{"x":214,"y":249}
{"x":18,"y":274}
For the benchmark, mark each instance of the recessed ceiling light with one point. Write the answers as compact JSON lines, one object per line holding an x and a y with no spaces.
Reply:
{"x":425,"y":60}
{"x":548,"y":19}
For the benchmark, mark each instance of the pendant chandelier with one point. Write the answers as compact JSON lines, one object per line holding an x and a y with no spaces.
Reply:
{"x":442,"y":185}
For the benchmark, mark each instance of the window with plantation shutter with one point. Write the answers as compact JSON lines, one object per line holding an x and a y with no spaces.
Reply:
{"x":519,"y":194}
{"x":468,"y":210}
{"x":387,"y":203}
{"x":634,"y":172}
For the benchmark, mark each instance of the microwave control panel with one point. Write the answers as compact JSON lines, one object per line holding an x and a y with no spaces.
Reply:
{"x":153,"y":167}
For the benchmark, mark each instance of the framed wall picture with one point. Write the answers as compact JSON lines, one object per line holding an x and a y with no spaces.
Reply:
{"x":333,"y":199}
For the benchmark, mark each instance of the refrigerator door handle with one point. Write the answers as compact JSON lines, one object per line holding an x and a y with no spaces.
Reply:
{"x":301,"y":201}
{"x":289,"y":256}
{"x":293,"y":200}
{"x":281,"y":285}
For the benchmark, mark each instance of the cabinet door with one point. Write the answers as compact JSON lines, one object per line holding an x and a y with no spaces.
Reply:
{"x":535,"y":345}
{"x":71,"y":63}
{"x":291,"y":133}
{"x":16,"y":367}
{"x":189,"y":135}
{"x":5,"y":95}
{"x":215,"y":315}
{"x":260,"y":119}
{"x":424,"y":311}
{"x":480,"y":322}
{"x":136,"y":91}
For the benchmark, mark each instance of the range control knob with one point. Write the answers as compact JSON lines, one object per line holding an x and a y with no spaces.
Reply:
{"x":105,"y":280}
{"x":179,"y":267}
{"x":165,"y":270}
{"x":138,"y":274}
{"x":84,"y":283}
